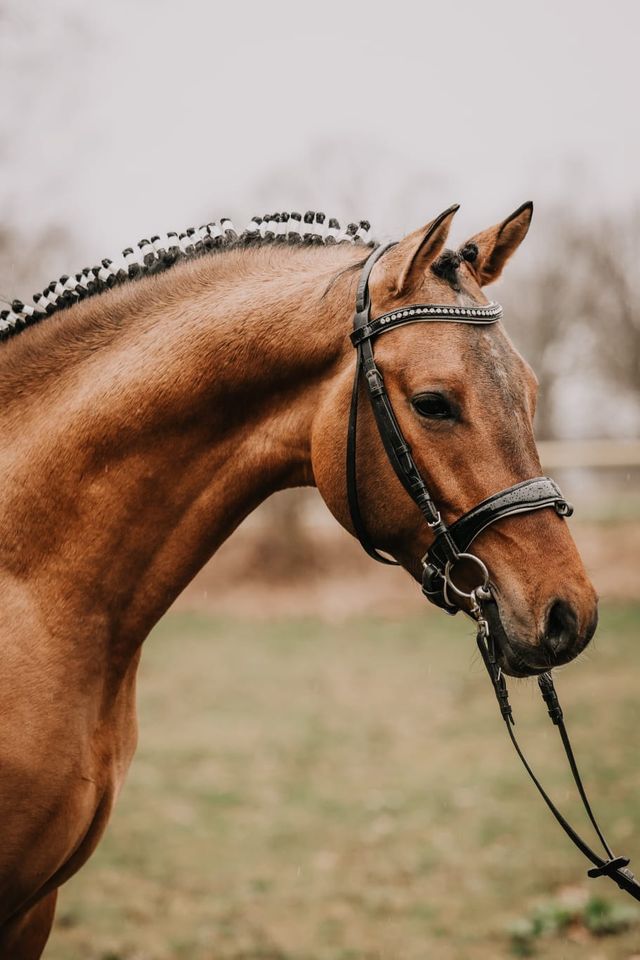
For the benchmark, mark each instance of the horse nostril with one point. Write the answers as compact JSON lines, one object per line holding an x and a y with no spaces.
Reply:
{"x":562,"y":627}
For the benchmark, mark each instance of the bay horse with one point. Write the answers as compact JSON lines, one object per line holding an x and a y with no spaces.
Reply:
{"x":148,"y":407}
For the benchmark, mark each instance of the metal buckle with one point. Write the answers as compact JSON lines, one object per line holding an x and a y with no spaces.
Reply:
{"x":433,"y":523}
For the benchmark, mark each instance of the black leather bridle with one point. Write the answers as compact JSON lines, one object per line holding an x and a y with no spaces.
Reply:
{"x":451,"y":542}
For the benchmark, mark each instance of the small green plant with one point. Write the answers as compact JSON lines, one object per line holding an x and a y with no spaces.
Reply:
{"x":599,"y":916}
{"x":522,"y":938}
{"x":602,"y":917}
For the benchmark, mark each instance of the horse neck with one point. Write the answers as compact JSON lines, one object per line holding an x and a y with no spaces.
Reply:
{"x":154,"y":419}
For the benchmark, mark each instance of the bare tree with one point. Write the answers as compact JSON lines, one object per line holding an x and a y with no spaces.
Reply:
{"x":609,"y":296}
{"x":575,"y":312}
{"x":537,"y":307}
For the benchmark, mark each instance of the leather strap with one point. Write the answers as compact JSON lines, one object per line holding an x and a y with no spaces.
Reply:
{"x":427,"y":313}
{"x":610,"y":866}
{"x":363,"y":307}
{"x":534,"y":494}
{"x":363,"y":302}
{"x":359,"y":526}
{"x":397,"y":449}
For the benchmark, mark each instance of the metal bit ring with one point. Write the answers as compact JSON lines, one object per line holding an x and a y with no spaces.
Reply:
{"x":481,"y":590}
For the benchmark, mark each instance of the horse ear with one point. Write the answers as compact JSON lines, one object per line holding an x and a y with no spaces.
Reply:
{"x":497,"y":244}
{"x":407,"y":262}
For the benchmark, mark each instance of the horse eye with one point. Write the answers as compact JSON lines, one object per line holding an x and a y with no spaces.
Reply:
{"x":434,"y":406}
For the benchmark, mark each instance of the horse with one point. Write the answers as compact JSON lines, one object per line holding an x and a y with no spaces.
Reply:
{"x":148,"y":407}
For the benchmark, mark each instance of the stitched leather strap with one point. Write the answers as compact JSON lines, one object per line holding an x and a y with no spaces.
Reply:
{"x":534,"y":494}
{"x":427,"y":313}
{"x":363,"y":303}
{"x":363,"y":306}
{"x":397,"y":449}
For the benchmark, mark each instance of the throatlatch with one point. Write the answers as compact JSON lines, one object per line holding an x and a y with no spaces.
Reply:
{"x":452,"y":542}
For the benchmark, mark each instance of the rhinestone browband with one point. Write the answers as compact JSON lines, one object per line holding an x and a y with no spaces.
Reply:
{"x":490,"y":313}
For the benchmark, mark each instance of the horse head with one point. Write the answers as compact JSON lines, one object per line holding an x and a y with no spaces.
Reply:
{"x":464,"y":400}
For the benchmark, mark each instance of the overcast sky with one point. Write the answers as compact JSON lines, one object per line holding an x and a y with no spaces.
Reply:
{"x":123,"y":118}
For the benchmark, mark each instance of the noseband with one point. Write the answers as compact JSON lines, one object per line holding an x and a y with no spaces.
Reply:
{"x":451,"y":542}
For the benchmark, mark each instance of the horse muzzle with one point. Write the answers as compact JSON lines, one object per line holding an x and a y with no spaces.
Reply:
{"x":560,"y":639}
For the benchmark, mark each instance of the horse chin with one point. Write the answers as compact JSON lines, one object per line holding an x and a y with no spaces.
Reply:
{"x":511,"y":657}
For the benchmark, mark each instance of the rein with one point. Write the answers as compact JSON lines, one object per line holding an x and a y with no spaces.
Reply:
{"x":452,"y":541}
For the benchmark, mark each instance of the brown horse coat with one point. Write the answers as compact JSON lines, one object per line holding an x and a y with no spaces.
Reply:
{"x":138,"y":428}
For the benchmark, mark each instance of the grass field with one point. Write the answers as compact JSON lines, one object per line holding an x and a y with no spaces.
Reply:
{"x":304,"y":791}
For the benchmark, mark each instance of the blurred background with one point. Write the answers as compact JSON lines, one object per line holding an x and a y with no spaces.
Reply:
{"x":320,"y":772}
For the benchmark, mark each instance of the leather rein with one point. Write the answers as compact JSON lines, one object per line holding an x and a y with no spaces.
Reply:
{"x":452,"y":542}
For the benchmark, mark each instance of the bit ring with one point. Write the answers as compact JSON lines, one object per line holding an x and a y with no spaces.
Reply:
{"x":481,"y":589}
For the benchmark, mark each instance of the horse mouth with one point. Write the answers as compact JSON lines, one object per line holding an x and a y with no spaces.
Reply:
{"x":509,"y":653}
{"x":513,"y":665}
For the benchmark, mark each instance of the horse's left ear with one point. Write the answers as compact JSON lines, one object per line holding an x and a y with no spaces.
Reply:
{"x":497,"y":244}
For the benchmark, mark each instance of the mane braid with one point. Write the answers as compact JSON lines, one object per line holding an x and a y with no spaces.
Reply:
{"x":159,"y":253}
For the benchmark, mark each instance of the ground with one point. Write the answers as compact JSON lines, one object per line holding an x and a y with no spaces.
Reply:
{"x":342,"y":789}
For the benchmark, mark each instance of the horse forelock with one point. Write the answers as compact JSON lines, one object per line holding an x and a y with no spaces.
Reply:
{"x":446,"y":266}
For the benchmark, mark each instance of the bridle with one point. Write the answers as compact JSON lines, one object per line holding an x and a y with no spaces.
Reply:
{"x":452,"y":542}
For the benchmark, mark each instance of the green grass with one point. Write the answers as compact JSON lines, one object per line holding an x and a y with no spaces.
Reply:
{"x":312,"y":792}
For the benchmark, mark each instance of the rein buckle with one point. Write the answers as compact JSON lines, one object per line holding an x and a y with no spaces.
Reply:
{"x":609,"y":867}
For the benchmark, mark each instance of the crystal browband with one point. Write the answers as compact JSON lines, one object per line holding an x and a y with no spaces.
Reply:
{"x":490,"y":313}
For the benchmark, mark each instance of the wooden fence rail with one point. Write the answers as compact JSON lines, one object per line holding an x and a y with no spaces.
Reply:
{"x":589,"y":453}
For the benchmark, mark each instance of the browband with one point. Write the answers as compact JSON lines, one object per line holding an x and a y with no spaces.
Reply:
{"x":489,"y":313}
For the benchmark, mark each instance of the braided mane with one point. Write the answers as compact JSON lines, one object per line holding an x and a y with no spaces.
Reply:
{"x":160,"y":253}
